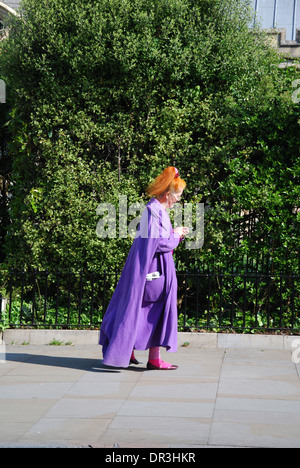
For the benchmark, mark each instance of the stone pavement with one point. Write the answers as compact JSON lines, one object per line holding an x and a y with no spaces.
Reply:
{"x":62,"y":396}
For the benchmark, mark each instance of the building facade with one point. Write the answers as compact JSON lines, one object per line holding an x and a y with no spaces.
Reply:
{"x":282,"y":18}
{"x":281,"y":14}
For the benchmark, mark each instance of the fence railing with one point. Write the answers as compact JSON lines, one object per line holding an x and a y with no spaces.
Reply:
{"x":206,"y":300}
{"x":239,"y":301}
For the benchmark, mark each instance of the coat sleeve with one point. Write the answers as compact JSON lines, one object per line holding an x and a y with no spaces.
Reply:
{"x":168,"y":244}
{"x":161,"y":227}
{"x":156,"y":232}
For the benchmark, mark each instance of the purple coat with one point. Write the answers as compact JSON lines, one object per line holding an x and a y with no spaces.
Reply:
{"x":141,"y":313}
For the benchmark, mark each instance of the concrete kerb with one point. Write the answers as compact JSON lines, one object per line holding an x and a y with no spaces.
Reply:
{"x":192,"y":340}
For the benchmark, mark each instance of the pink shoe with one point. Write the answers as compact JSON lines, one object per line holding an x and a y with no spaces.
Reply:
{"x":159,"y":364}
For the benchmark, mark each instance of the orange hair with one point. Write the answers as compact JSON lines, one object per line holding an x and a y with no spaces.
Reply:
{"x":168,"y":180}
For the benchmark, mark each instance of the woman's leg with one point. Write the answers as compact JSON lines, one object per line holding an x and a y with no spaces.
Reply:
{"x":155,"y":361}
{"x":133,"y":359}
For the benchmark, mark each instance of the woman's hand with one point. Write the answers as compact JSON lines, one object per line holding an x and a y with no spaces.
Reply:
{"x":182,"y":231}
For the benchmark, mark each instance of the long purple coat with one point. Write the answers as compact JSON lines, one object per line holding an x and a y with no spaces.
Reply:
{"x":142,"y":314}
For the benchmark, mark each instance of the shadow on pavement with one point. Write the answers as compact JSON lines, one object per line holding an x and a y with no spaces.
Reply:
{"x":92,"y":365}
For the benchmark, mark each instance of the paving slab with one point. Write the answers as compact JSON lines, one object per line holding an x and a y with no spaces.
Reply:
{"x":63,"y":396}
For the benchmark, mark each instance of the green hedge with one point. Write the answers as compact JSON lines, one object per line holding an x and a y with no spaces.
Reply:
{"x":104,"y":95}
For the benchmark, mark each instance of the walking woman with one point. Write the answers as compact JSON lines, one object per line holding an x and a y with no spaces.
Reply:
{"x":142,"y":313}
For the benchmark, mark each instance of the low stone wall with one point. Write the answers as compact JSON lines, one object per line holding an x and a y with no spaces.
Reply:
{"x":192,"y":340}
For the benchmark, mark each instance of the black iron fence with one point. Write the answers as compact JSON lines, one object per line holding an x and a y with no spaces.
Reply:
{"x":239,"y":301}
{"x":206,"y":300}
